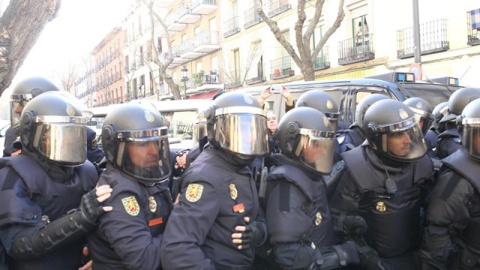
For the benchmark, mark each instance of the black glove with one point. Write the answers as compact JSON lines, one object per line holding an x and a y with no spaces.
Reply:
{"x":348,"y":253}
{"x":354,"y":225}
{"x":254,"y":234}
{"x":91,"y":208}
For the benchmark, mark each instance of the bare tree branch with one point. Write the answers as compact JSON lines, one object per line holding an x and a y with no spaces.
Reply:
{"x":19,"y":31}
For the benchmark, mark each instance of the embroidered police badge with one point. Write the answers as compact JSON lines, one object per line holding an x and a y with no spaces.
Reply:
{"x":318,"y":219}
{"x":233,"y":191}
{"x":194,"y":192}
{"x":152,"y":204}
{"x":131,"y":205}
{"x":381,"y":207}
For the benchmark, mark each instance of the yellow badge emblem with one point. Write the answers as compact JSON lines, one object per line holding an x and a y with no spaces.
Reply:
{"x":194,"y":192}
{"x":152,"y":204}
{"x":131,"y":205}
{"x":233,"y":191}
{"x":318,"y":219}
{"x":381,"y":207}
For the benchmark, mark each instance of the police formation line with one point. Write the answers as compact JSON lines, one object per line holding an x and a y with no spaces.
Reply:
{"x":398,"y":190}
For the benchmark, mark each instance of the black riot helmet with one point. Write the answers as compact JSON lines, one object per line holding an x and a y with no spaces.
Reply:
{"x":438,"y":113}
{"x":362,"y":107}
{"x":305,"y":134}
{"x":237,"y":123}
{"x":52,"y":127}
{"x":423,"y":112}
{"x":135,"y":141}
{"x":25,"y":91}
{"x":393,"y":132}
{"x":457,"y":102}
{"x":323,"y":102}
{"x":469,"y":126}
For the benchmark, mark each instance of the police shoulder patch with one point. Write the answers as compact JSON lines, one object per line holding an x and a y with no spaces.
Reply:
{"x":194,"y":192}
{"x":131,"y":205}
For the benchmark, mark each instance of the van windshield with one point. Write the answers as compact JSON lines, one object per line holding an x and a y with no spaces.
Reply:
{"x":180,"y":124}
{"x":432,"y":93}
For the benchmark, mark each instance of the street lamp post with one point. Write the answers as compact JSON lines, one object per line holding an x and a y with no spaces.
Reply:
{"x":184,"y":80}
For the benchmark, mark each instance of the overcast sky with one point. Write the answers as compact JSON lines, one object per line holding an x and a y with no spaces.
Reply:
{"x":78,"y":28}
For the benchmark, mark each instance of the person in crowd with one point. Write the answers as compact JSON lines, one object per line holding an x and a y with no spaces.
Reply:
{"x":135,"y":142}
{"x":386,"y":183}
{"x":218,"y":222}
{"x":49,"y":188}
{"x":449,"y":140}
{"x":22,"y":93}
{"x":298,"y":218}
{"x":355,"y":134}
{"x":324,"y":103}
{"x":435,"y":129}
{"x":451,"y":239}
{"x":267,"y":92}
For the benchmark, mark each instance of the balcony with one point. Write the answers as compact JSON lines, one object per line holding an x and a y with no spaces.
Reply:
{"x":281,"y":68}
{"x":187,"y":50}
{"x":251,"y":18}
{"x":204,"y":7}
{"x":185,"y":14}
{"x":206,"y":42}
{"x":258,"y":79}
{"x":278,"y":6}
{"x":473,"y":29}
{"x":351,"y":51}
{"x":322,"y":61}
{"x":433,"y":38}
{"x":172,"y":22}
{"x":231,"y":27}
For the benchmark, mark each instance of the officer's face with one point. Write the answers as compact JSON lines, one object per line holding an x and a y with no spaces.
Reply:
{"x":144,"y":154}
{"x":476,"y":141}
{"x":312,"y":151}
{"x":399,"y":143}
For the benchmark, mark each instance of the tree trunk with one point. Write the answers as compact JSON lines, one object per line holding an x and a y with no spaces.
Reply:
{"x":20,"y":26}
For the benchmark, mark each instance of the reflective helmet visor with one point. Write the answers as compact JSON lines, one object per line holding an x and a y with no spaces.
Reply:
{"x":62,"y":139}
{"x":471,"y":137}
{"x":144,"y":154}
{"x":315,"y":150}
{"x":199,"y":131}
{"x":423,"y":118}
{"x":403,"y":141}
{"x":241,"y":130}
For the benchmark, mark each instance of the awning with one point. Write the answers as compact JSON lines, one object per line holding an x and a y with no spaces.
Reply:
{"x":205,"y":95}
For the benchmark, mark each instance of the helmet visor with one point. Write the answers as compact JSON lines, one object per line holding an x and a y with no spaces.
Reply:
{"x":17,"y":103}
{"x":315,"y":150}
{"x":199,"y":131}
{"x":424,"y":119}
{"x":242,"y":130}
{"x":471,"y":137}
{"x":62,"y":142}
{"x":145,"y":155}
{"x":404,"y":142}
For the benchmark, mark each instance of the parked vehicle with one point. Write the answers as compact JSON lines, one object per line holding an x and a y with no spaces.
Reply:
{"x":4,"y":125}
{"x":180,"y":114}
{"x":348,"y":93}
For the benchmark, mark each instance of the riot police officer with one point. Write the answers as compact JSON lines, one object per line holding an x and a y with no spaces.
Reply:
{"x":355,"y":135}
{"x":43,"y":186}
{"x":23,"y":92}
{"x":432,"y":134}
{"x":449,"y":141}
{"x":324,"y":103}
{"x":135,"y":142}
{"x":384,"y":183}
{"x":217,"y":221}
{"x":298,"y":217}
{"x":422,"y":111}
{"x":451,"y":239}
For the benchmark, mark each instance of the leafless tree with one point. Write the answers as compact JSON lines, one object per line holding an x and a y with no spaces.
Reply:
{"x":20,"y":26}
{"x":305,"y":56}
{"x":68,"y":78}
{"x":162,"y":61}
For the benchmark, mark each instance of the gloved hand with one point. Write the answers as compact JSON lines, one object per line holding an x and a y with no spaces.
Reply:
{"x":92,"y":203}
{"x":253,"y":233}
{"x":354,"y":225}
{"x":348,"y":253}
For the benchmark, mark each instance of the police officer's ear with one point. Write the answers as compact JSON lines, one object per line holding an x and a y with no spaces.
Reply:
{"x":459,"y":123}
{"x":292,"y":136}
